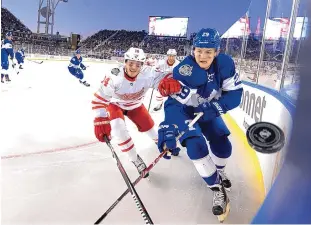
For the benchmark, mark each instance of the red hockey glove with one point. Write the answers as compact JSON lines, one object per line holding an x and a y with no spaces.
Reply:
{"x":101,"y":128}
{"x":169,"y":86}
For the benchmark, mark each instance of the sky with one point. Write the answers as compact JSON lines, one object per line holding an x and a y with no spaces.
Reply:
{"x":86,"y":17}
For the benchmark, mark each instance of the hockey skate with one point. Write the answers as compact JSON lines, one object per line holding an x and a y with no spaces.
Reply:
{"x":7,"y":78}
{"x":221,"y":201}
{"x":158,"y":107}
{"x":140,"y":165}
{"x":175,"y":151}
{"x":84,"y":83}
{"x":225,"y":180}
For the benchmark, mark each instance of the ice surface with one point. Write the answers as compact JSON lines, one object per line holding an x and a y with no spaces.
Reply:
{"x":55,"y":172}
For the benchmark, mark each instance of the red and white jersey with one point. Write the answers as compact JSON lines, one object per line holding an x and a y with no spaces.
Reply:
{"x":165,"y":67}
{"x":126,"y":92}
{"x":151,"y":62}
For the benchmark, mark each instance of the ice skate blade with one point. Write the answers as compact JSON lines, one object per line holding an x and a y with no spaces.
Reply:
{"x":221,"y":218}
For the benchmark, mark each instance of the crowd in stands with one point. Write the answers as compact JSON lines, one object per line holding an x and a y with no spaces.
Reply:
{"x":108,"y":43}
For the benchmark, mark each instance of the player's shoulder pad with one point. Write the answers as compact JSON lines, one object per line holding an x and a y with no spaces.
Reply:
{"x":226,"y":66}
{"x":189,"y":73}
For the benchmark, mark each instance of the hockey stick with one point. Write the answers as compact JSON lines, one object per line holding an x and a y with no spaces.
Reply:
{"x":35,"y":61}
{"x":145,"y":171}
{"x":130,"y":186}
{"x":150,"y":99}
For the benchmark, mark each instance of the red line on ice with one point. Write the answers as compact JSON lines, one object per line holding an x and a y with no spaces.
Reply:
{"x":47,"y":151}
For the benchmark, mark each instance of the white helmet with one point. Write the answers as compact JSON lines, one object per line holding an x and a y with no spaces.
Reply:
{"x":135,"y":54}
{"x":171,"y":52}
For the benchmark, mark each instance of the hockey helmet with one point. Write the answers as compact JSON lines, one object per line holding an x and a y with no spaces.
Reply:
{"x":135,"y":54}
{"x":171,"y":52}
{"x":9,"y":34}
{"x":78,"y":51}
{"x":207,"y":38}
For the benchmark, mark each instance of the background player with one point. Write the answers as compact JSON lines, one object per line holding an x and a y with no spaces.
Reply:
{"x":6,"y":52}
{"x":75,"y":67}
{"x":20,"y":57}
{"x":167,"y":66}
{"x":121,"y":94}
{"x":210,"y":85}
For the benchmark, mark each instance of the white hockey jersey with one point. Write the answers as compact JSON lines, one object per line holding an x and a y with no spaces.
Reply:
{"x":151,"y":62}
{"x":165,"y":67}
{"x":126,"y":92}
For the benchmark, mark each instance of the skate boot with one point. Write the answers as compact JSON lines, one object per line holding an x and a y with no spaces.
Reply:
{"x":157,"y":108}
{"x":7,"y":78}
{"x":140,"y":165}
{"x":175,"y":151}
{"x":225,"y":180}
{"x":84,"y":83}
{"x":221,"y":206}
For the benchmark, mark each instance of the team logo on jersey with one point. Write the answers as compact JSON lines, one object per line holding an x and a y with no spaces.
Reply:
{"x":115,"y":71}
{"x":185,"y":70}
{"x":131,"y":96}
{"x":210,"y":77}
{"x":205,"y":34}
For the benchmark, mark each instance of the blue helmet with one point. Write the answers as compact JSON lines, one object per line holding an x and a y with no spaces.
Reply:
{"x":78,"y":51}
{"x":207,"y":38}
{"x":9,"y":34}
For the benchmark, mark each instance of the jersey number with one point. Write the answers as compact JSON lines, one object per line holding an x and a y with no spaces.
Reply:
{"x":237,"y":79}
{"x":105,"y":81}
{"x":185,"y":91}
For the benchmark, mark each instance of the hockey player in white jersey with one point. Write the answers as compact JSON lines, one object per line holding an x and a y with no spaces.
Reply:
{"x":167,"y":66}
{"x":121,"y":94}
{"x":151,"y":61}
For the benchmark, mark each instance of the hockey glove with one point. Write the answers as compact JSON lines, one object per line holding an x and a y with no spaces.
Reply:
{"x":167,"y":138}
{"x":83,"y":67}
{"x":168,"y":86}
{"x":211,"y":110}
{"x":102,"y":128}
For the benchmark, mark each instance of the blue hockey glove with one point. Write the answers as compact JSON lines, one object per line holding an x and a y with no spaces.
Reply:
{"x":211,"y":110}
{"x":167,"y":136}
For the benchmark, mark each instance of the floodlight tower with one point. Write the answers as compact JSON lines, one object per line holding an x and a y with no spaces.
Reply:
{"x":46,"y":14}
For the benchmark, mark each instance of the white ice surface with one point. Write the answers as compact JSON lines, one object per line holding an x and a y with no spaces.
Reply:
{"x":55,"y":172}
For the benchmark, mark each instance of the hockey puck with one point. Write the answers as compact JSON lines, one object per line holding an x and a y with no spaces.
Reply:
{"x":265,"y":137}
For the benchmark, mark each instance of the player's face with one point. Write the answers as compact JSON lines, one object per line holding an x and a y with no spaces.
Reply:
{"x":204,"y":56}
{"x":132,"y":68}
{"x":9,"y":38}
{"x":171,"y":58}
{"x":78,"y":56}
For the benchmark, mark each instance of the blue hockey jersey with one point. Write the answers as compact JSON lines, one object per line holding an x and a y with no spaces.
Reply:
{"x":219,"y":83}
{"x":76,"y":63}
{"x":6,"y":51}
{"x":19,"y":55}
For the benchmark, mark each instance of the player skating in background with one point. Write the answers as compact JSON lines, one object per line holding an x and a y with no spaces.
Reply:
{"x":210,"y":85}
{"x":75,"y":67}
{"x":151,"y":61}
{"x":121,"y":94}
{"x":20,"y":57}
{"x":6,"y":54}
{"x":167,"y":66}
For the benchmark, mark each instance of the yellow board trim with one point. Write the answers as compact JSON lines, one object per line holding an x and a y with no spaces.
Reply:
{"x":249,"y":158}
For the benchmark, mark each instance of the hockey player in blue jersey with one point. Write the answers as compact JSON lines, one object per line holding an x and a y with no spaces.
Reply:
{"x":6,"y":54}
{"x":20,"y":56}
{"x":75,"y":67}
{"x":210,"y":85}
